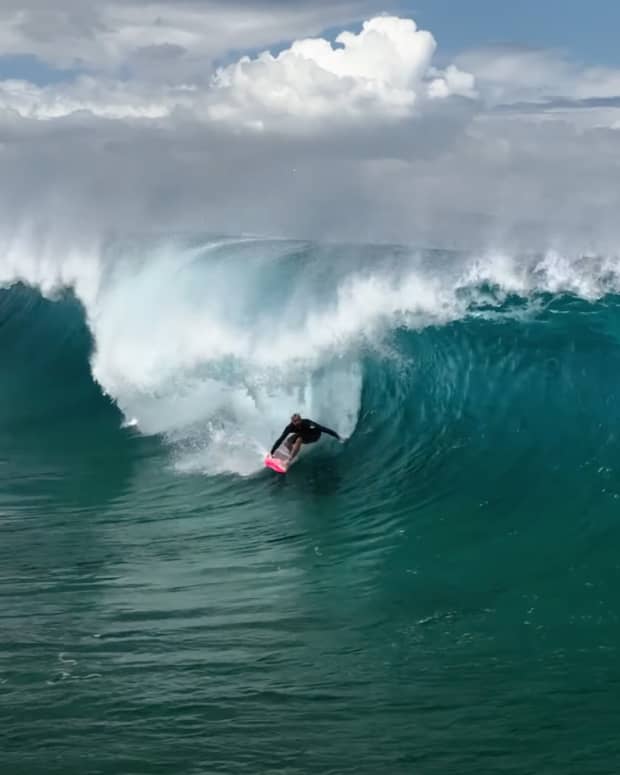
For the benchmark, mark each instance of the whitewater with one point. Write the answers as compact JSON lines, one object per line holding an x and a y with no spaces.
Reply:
{"x":439,"y":593}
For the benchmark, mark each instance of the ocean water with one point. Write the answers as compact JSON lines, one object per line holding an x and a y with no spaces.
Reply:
{"x":439,"y":594}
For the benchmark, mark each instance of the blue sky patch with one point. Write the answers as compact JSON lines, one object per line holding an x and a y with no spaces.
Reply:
{"x":26,"y":67}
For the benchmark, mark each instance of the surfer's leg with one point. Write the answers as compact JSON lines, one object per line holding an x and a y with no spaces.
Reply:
{"x":291,"y":441}
{"x":296,"y":448}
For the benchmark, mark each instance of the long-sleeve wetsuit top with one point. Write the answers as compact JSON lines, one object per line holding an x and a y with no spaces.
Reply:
{"x":307,"y":429}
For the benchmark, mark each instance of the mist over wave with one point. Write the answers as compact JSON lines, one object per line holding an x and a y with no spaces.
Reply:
{"x":213,"y":343}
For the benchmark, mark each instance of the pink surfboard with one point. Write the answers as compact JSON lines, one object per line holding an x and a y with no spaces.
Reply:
{"x":276,"y":464}
{"x":280,"y":461}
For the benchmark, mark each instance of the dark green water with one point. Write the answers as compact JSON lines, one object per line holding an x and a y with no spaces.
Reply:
{"x":439,"y":595}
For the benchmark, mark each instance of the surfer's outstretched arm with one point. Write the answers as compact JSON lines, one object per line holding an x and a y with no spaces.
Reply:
{"x":285,"y":433}
{"x":329,"y":431}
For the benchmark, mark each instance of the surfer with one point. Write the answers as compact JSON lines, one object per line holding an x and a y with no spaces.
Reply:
{"x":301,"y":431}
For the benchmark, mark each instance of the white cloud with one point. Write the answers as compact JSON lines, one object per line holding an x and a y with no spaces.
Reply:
{"x":508,"y":75}
{"x":384,"y":71}
{"x":105,"y":99}
{"x":452,"y":81}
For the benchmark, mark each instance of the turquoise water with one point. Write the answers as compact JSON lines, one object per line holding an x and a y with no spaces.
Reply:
{"x":439,"y":594}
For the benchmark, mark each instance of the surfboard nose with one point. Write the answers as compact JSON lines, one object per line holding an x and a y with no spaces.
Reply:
{"x":275,"y":464}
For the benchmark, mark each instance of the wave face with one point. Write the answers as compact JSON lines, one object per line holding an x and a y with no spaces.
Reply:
{"x":212,"y":344}
{"x":449,"y":570}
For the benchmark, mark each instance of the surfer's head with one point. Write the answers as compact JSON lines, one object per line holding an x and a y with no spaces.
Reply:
{"x":296,"y":419}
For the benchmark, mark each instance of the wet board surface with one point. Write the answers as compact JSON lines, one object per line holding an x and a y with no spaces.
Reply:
{"x":280,"y":461}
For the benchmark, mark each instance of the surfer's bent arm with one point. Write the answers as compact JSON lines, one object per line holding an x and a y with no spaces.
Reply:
{"x":285,"y":433}
{"x":329,"y":431}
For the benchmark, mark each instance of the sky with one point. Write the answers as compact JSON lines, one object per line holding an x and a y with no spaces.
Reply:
{"x":586,"y":32}
{"x":432,"y":122}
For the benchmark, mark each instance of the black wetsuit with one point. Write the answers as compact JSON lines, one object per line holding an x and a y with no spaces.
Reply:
{"x":308,"y":430}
